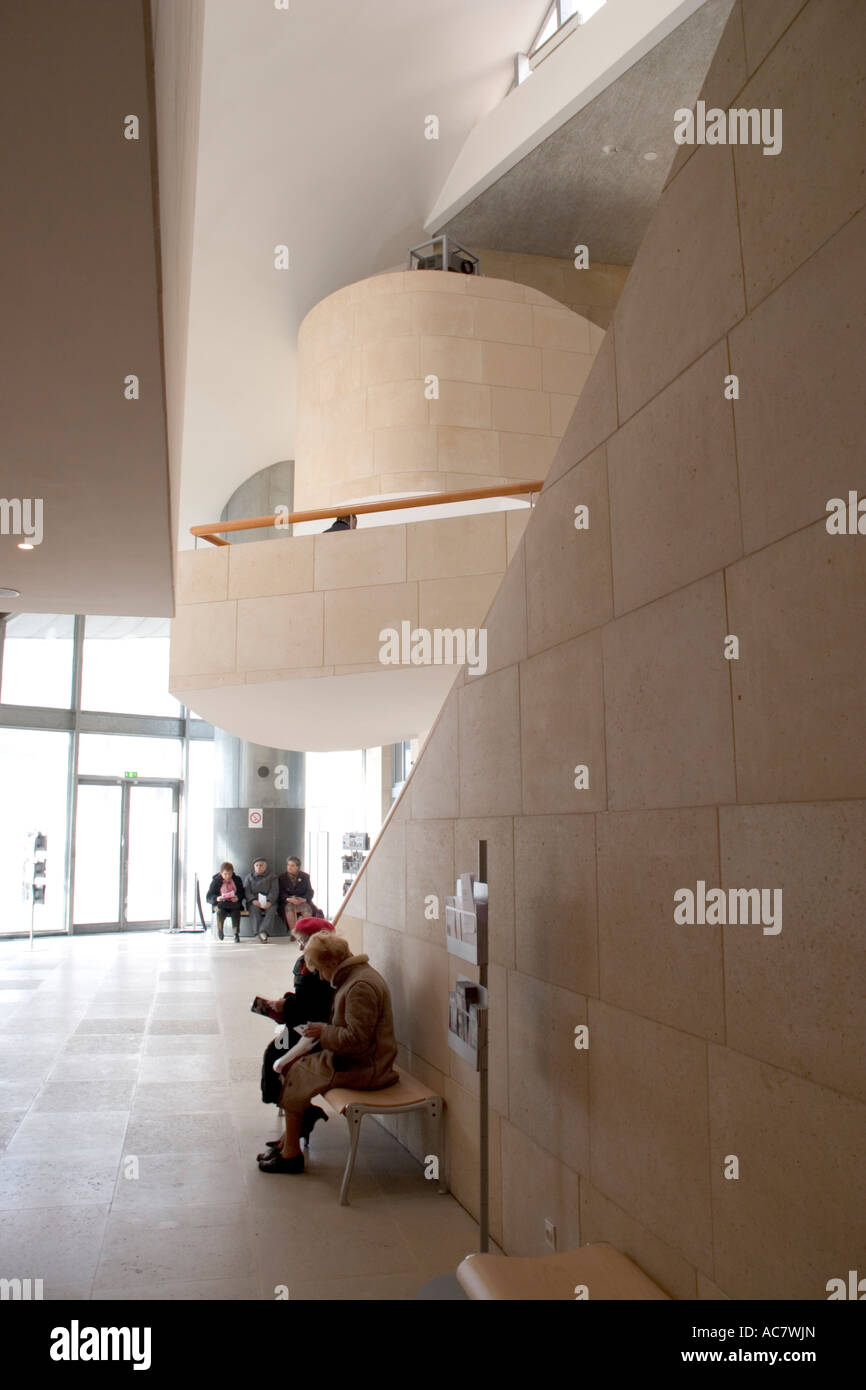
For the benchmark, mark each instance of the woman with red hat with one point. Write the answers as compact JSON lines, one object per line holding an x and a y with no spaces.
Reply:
{"x":309,"y":1002}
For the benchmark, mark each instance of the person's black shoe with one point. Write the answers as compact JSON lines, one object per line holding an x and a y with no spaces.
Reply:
{"x":237,"y":939}
{"x":271,"y":1147}
{"x":310,"y":1117}
{"x":278,"y":1164}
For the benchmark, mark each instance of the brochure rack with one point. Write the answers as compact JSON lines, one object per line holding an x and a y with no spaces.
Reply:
{"x":466,"y":937}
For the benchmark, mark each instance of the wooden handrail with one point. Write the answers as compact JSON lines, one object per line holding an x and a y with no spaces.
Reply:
{"x":211,"y":531}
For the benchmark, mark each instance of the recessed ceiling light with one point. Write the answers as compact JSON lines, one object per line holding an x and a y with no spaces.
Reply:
{"x":10,"y":593}
{"x":650,"y":154}
{"x":24,"y":545}
{"x":608,"y":149}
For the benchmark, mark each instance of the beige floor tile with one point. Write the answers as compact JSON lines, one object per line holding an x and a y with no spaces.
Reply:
{"x":9,"y":1123}
{"x":45,"y":1133}
{"x":59,"y":1245}
{"x":148,"y":1255}
{"x":329,"y":1243}
{"x":85,"y":1095}
{"x":56,"y":1181}
{"x":381,"y":1287}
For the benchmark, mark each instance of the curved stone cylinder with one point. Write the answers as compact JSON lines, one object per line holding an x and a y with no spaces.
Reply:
{"x":507,"y":362}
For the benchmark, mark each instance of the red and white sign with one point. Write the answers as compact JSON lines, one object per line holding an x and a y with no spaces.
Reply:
{"x":254,"y":818}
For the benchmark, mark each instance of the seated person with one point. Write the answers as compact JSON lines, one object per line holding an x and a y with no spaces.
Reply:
{"x":226,"y":896}
{"x":263,"y":914}
{"x":296,"y":892}
{"x":359,"y":1049}
{"x":309,"y":1002}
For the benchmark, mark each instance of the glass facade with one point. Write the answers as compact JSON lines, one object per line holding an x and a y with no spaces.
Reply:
{"x":97,"y":855}
{"x":98,"y":757}
{"x":336,"y":806}
{"x":35,"y":766}
{"x":126,"y":666}
{"x":199,"y":821}
{"x":116,"y":755}
{"x":37,"y":660}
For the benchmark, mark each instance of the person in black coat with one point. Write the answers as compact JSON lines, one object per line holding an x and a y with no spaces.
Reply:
{"x":226,"y":896}
{"x":343,"y":523}
{"x":295,"y":899}
{"x":309,"y":1002}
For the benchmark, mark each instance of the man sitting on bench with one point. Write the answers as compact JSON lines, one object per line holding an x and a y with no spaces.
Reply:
{"x":359,"y":1048}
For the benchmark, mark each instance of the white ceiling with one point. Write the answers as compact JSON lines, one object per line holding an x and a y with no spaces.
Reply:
{"x":311,"y":134}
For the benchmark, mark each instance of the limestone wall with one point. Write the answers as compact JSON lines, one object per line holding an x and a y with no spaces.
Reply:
{"x":510,"y":363}
{"x":607,"y":649}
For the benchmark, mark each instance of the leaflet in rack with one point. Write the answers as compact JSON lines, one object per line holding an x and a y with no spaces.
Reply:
{"x":466,"y":920}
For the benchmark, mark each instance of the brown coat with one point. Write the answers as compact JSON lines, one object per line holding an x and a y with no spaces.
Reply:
{"x":358,"y":1045}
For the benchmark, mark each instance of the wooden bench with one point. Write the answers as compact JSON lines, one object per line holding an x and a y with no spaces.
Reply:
{"x":405,"y":1095}
{"x":604,"y":1271}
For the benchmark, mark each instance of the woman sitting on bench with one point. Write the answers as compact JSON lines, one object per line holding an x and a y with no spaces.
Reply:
{"x":359,"y":1047}
{"x":309,"y":1002}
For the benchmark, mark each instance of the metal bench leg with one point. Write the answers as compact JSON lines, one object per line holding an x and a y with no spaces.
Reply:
{"x":354,"y":1118}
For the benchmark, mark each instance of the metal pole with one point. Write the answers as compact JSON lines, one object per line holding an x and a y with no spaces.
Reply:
{"x":72,"y":772}
{"x":483,"y":1130}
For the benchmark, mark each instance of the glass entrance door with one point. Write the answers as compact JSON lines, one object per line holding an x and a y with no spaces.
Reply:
{"x":125,"y":854}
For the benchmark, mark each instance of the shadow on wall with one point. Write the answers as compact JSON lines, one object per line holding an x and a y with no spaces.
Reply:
{"x":705,"y":768}
{"x":260,"y":495}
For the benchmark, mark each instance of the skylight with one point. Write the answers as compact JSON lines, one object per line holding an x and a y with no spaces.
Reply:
{"x":559,"y":14}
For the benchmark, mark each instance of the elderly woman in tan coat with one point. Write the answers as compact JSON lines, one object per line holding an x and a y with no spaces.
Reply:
{"x":358,"y":1045}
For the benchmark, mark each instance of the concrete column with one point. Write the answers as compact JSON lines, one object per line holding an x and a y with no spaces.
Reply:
{"x":251,"y":777}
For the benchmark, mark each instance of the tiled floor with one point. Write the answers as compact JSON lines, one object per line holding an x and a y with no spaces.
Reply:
{"x":130,"y":1117}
